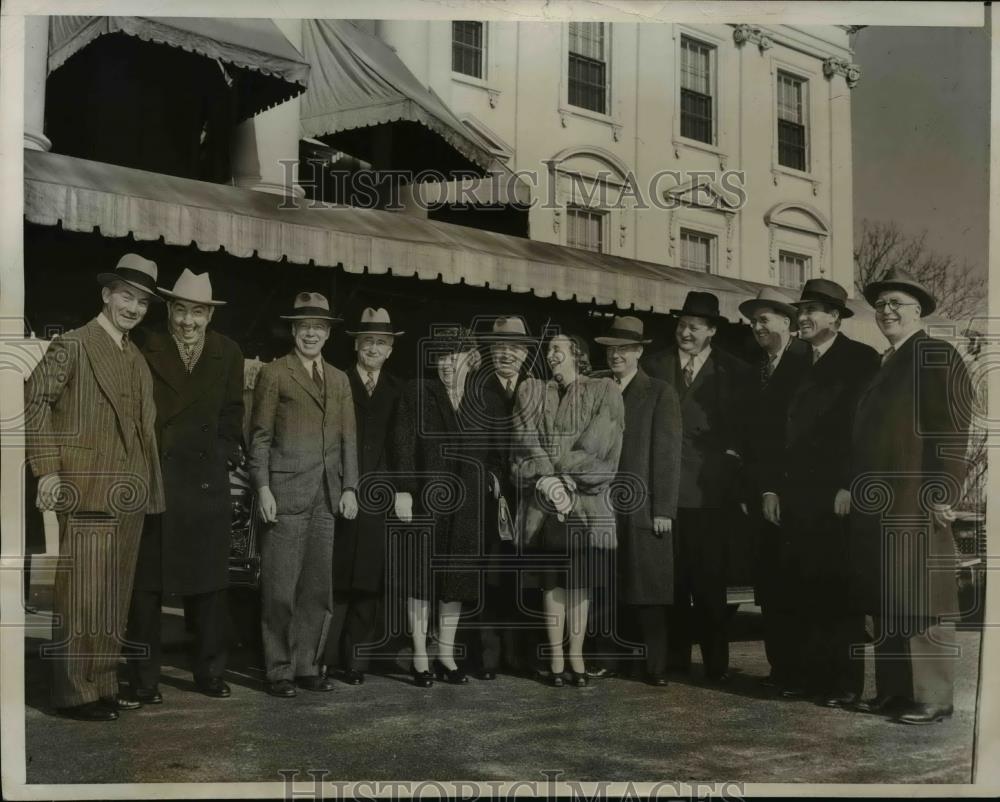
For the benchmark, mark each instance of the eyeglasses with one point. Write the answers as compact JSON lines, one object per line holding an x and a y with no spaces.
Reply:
{"x":892,"y":305}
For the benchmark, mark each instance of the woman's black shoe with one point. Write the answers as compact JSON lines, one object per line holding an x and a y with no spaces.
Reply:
{"x":555,"y":680}
{"x":579,"y":680}
{"x":453,"y":676}
{"x":422,"y":679}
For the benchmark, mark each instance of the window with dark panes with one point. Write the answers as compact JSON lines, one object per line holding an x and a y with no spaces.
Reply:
{"x":468,"y":48}
{"x":792,"y":122}
{"x":793,"y":270}
{"x":697,"y":251}
{"x":585,"y":229}
{"x":696,"y":91}
{"x":588,"y":70}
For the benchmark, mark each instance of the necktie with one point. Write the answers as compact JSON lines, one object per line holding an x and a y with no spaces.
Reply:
{"x":885,"y":357}
{"x":815,"y":355}
{"x":125,"y":341}
{"x":689,"y":372}
{"x":317,"y":377}
{"x":766,"y":370}
{"x":369,"y":383}
{"x":510,"y":388}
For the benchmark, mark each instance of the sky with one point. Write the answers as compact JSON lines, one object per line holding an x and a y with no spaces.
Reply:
{"x":920,"y":119}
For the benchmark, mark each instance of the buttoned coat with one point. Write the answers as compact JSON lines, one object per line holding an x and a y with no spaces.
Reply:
{"x":199,"y":426}
{"x":651,"y":459}
{"x":578,"y":436}
{"x":77,"y":425}
{"x":298,"y":441}
{"x":814,"y":462}
{"x":713,"y":413}
{"x":909,"y":441}
{"x":359,"y":548}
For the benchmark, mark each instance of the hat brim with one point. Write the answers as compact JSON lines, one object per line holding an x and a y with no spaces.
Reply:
{"x":375,"y":331}
{"x":619,"y":341}
{"x":175,"y":297}
{"x":845,"y":310}
{"x":688,"y":313}
{"x":107,"y":279}
{"x":747,"y":308}
{"x":927,"y":301}
{"x":312,"y":316}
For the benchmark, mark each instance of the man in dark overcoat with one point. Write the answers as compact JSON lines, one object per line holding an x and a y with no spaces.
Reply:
{"x":304,"y":466}
{"x":805,"y":491}
{"x":784,"y":358}
{"x":909,"y":466}
{"x":89,"y":417}
{"x":649,"y":476}
{"x":198,"y":387}
{"x":359,"y":548}
{"x":712,"y":388}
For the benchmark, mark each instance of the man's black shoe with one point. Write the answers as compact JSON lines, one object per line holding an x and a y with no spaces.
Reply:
{"x":353,"y":677}
{"x":148,"y":696}
{"x":792,"y":692}
{"x":919,"y":713}
{"x":601,"y":673}
{"x":319,"y":683}
{"x":486,"y":676}
{"x":89,"y":711}
{"x":282,"y":688}
{"x":658,"y":680}
{"x":120,"y":703}
{"x":718,"y":679}
{"x":213,"y":686}
{"x":847,"y":699}
{"x":883,"y":705}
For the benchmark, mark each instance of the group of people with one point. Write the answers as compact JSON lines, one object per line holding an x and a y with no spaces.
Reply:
{"x":531,"y":509}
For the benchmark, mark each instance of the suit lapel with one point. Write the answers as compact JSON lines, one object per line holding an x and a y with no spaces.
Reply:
{"x":101,"y":352}
{"x":161,"y":354}
{"x":298,"y":371}
{"x":904,"y":354}
{"x":706,"y":372}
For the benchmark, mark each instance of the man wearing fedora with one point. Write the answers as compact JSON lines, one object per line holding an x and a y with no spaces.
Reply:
{"x":805,"y":491}
{"x":503,"y":628}
{"x":359,"y":547}
{"x":198,"y":388}
{"x":910,"y":440}
{"x":650,"y":467}
{"x":784,"y":358}
{"x":91,"y":442}
{"x":712,"y":387}
{"x":304,"y":467}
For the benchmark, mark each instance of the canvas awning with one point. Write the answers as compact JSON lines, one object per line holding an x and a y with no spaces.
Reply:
{"x":86,"y":196}
{"x":365,"y":101}
{"x":272,"y":70}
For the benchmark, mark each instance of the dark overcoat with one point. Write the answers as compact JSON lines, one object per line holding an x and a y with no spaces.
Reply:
{"x":813,"y":463}
{"x":359,"y":547}
{"x":651,"y":457}
{"x":713,"y":413}
{"x":199,"y":426}
{"x":440,"y":461}
{"x":910,"y":439}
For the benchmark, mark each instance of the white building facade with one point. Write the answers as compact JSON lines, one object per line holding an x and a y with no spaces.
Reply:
{"x":736,"y":138}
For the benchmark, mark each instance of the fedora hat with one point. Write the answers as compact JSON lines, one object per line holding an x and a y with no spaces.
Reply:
{"x":770,"y":298}
{"x":452,"y":339}
{"x":827,"y":292}
{"x":896,"y":278}
{"x":189,"y":287}
{"x":375,"y":321}
{"x":625,"y":330}
{"x":700,"y":304}
{"x":509,"y":329}
{"x":134,"y":270}
{"x":309,"y":306}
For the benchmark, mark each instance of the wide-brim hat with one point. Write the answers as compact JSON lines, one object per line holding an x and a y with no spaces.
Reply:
{"x":824,"y":291}
{"x":770,"y":298}
{"x":452,"y":339}
{"x":511,"y":329}
{"x":375,"y":321}
{"x":134,"y":270}
{"x":194,"y":288}
{"x":700,"y":304}
{"x":311,"y":306}
{"x":898,"y":279}
{"x":625,"y":330}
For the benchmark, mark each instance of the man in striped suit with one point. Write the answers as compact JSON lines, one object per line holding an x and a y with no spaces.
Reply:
{"x":90,"y":418}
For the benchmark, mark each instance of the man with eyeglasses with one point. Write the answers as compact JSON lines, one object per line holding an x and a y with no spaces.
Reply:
{"x":910,"y":438}
{"x":712,"y":387}
{"x":805,"y":492}
{"x":304,"y":467}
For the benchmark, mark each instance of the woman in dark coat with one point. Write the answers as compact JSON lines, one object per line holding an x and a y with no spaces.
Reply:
{"x":442,"y":483}
{"x":567,"y":443}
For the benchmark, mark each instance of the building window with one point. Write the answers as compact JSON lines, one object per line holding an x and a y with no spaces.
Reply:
{"x":588,"y":69}
{"x":792,"y":122}
{"x":468,"y":48}
{"x":697,"y":251}
{"x":585,"y":229}
{"x":696,"y":91}
{"x":793,"y":270}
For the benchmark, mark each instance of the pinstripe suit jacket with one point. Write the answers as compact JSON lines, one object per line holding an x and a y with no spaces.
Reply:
{"x":78,"y":425}
{"x":296,"y":440}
